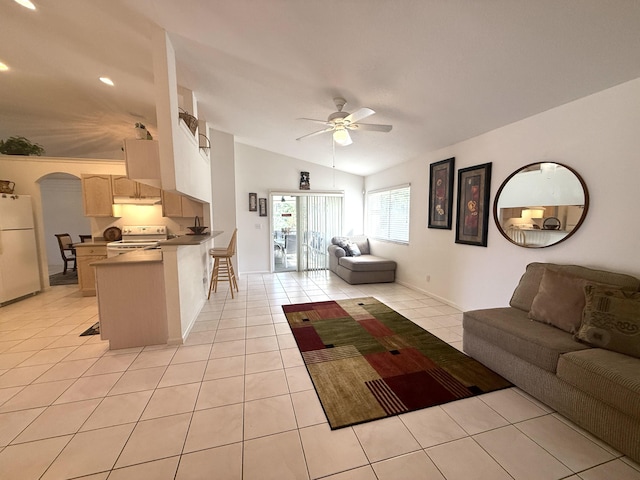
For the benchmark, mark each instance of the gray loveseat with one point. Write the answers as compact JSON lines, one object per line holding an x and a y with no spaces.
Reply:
{"x":597,"y":388}
{"x":363,"y":267}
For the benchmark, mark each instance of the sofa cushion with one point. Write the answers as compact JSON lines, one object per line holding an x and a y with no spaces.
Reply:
{"x":366,"y":263}
{"x":513,"y":331}
{"x":610,"y":377}
{"x":363,"y":244}
{"x":559,"y":301}
{"x":611,"y":320}
{"x":527,"y":289}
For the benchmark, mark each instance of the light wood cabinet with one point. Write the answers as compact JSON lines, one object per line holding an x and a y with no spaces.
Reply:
{"x":125,"y":187}
{"x":175,"y":205}
{"x":143,"y":160}
{"x":97,"y":195}
{"x":85,"y":255}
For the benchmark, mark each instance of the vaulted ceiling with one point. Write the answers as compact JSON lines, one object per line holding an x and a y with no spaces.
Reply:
{"x":439,"y":71}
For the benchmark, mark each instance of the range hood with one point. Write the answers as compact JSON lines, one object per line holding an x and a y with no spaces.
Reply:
{"x":137,"y":201}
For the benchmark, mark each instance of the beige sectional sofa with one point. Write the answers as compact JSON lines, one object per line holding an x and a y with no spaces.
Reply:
{"x":539,"y":345}
{"x":359,"y":266}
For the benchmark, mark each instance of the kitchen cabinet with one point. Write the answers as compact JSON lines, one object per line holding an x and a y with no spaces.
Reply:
{"x":87,"y":253}
{"x":125,"y":187}
{"x":97,"y":195}
{"x":143,"y":161}
{"x":131,"y":300}
{"x":176,"y":205}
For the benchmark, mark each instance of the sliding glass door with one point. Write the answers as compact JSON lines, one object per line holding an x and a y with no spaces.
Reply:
{"x":303,"y":225}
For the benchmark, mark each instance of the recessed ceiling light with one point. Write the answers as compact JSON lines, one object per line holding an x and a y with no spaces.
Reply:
{"x":106,"y":80}
{"x":3,"y":67}
{"x":26,"y":4}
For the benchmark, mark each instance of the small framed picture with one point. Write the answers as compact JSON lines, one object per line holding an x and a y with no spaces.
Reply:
{"x":305,"y":182}
{"x":253,"y":202}
{"x":262,"y":204}
{"x":472,"y":219}
{"x":441,"y":193}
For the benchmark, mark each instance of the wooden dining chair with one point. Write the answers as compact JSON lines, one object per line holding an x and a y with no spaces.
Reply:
{"x":67,"y":252}
{"x":223,"y":266}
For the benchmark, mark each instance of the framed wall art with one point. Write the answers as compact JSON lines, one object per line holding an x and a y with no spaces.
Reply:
{"x":472,"y":219}
{"x":262,"y":205}
{"x":305,"y":181}
{"x":253,"y":202}
{"x":441,"y":193}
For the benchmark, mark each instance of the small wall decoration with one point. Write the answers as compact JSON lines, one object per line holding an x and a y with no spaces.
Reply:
{"x":305,"y":182}
{"x":253,"y":202}
{"x":262,"y":204}
{"x":472,"y":219}
{"x":441,"y":193}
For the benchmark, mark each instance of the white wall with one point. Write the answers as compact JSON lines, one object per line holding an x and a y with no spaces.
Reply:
{"x":596,"y":135}
{"x":261,"y":171}
{"x":223,"y":183}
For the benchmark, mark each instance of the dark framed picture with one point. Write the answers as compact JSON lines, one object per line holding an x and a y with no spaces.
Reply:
{"x":253,"y":202}
{"x":441,"y":193}
{"x":472,"y":219}
{"x":262,"y":204}
{"x":305,"y":181}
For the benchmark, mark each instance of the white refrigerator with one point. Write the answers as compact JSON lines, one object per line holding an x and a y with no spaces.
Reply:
{"x":19,"y":267}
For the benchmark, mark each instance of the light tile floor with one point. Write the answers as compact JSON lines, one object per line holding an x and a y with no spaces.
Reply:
{"x":235,"y":402}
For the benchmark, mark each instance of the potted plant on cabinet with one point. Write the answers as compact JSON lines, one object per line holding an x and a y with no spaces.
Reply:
{"x":20,"y":146}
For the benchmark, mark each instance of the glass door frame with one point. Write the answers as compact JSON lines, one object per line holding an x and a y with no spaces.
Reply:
{"x":273,"y":194}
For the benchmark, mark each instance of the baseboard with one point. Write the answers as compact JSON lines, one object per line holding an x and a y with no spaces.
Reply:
{"x":433,"y":295}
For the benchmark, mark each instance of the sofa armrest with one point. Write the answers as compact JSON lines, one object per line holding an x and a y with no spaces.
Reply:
{"x":335,"y":253}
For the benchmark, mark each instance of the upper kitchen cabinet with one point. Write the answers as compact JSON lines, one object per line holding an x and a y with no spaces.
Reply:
{"x":143,"y":161}
{"x":175,"y":205}
{"x":97,"y":195}
{"x":125,"y":187}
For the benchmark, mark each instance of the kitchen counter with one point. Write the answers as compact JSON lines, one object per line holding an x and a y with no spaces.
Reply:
{"x":190,"y":239}
{"x":136,"y":256}
{"x":93,"y":243}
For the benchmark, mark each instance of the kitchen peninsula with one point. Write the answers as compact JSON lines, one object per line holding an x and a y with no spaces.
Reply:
{"x":151,"y":297}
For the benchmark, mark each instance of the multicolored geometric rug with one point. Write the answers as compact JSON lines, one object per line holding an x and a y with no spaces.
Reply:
{"x":368,"y":362}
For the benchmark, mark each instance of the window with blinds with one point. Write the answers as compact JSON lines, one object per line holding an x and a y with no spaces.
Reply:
{"x":388,"y":214}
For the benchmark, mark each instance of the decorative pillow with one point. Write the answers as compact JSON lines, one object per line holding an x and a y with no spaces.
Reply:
{"x":344,"y":244}
{"x":353,"y":250}
{"x":559,"y":301}
{"x":611,"y":319}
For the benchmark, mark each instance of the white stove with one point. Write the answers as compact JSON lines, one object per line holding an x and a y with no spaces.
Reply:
{"x":137,"y":237}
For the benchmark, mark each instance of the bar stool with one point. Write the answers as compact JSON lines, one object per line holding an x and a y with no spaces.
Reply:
{"x":223,"y":267}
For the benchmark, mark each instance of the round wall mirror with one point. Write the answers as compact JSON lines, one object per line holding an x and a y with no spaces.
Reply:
{"x":540,"y":205}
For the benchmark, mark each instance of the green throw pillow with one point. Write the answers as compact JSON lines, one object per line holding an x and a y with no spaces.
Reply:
{"x":611,"y":320}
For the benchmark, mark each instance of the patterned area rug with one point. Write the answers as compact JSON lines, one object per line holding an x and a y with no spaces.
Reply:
{"x":71,"y":278}
{"x":368,"y":362}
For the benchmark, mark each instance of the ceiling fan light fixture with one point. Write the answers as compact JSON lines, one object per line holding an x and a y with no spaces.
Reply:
{"x":3,"y":67}
{"x":107,"y":81}
{"x":341,"y":136}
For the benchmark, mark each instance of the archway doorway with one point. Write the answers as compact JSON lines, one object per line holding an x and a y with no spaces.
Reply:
{"x":62,"y":212}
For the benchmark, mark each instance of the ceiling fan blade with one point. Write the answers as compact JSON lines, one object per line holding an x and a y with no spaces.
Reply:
{"x":358,"y":115}
{"x":324,"y":122}
{"x":313,"y":134}
{"x":372,"y":127}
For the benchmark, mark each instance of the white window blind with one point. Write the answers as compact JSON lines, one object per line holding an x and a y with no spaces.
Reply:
{"x":388,"y":214}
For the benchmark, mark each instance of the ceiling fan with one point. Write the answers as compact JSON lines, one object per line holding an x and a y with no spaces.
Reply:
{"x":341,"y":122}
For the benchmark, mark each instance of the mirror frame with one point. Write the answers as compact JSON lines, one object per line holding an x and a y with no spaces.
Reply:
{"x":496,"y":217}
